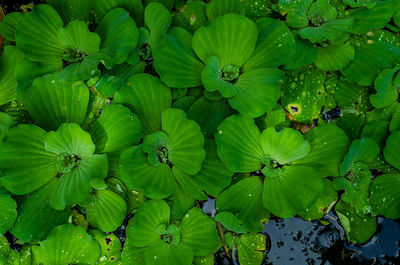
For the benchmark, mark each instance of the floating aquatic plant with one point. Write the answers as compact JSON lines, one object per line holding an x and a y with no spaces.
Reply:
{"x":120,"y":119}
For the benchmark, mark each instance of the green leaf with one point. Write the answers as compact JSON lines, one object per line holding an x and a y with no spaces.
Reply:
{"x":305,"y":54}
{"x":232,"y":38}
{"x":199,"y":232}
{"x":37,"y":35}
{"x":385,"y":195}
{"x":213,"y":79}
{"x":157,"y":19}
{"x":8,"y":211}
{"x":334,"y":57}
{"x":105,"y":210}
{"x":36,"y":218}
{"x":52,"y":101}
{"x":119,"y":36}
{"x":297,"y":12}
{"x":239,"y":146}
{"x":390,"y":151}
{"x":70,"y":139}
{"x":323,"y":204}
{"x":160,"y":253}
{"x":135,"y":8}
{"x":358,"y":229}
{"x":67,"y":244}
{"x":180,"y":202}
{"x":366,"y":19}
{"x":304,"y":95}
{"x":209,"y":114}
{"x":285,"y":146}
{"x":386,"y":90}
{"x":142,"y":231}
{"x":376,"y":130}
{"x":147,"y":97}
{"x":24,"y":162}
{"x":371,"y":56}
{"x":73,"y":9}
{"x":175,"y":60}
{"x":6,"y":122}
{"x":352,"y":124}
{"x":137,"y":173}
{"x":332,"y":30}
{"x":250,"y":247}
{"x":191,"y":16}
{"x":364,"y":150}
{"x":9,"y":60}
{"x":214,"y":176}
{"x":328,"y":144}
{"x":113,"y":79}
{"x":185,"y":146}
{"x":116,"y":129}
{"x":278,"y":195}
{"x":349,"y":95}
{"x":230,"y":222}
{"x":151,"y":146}
{"x":257,"y":91}
{"x":110,"y":247}
{"x":275,"y":45}
{"x":79,"y":52}
{"x":244,"y":199}
{"x":216,"y":8}
{"x":8,"y":25}
{"x":356,"y":186}
{"x":80,"y":169}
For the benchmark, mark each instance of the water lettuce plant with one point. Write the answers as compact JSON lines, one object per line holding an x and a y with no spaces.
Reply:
{"x":170,"y":132}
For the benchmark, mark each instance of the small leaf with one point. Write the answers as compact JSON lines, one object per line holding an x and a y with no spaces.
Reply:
{"x":119,"y":36}
{"x":232,"y":38}
{"x":52,"y":101}
{"x":36,"y":218}
{"x":157,"y":19}
{"x":175,"y":60}
{"x":239,"y":146}
{"x":385,"y":195}
{"x":386,"y":90}
{"x":364,"y":150}
{"x":391,"y":149}
{"x":146,"y":96}
{"x":9,"y":60}
{"x":116,"y":129}
{"x":105,"y":210}
{"x":334,"y":57}
{"x":285,"y":146}
{"x":278,"y":195}
{"x":185,"y":146}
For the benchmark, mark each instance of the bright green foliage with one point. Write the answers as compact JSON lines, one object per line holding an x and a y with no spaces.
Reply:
{"x":67,"y":244}
{"x":157,"y":241}
{"x":249,"y":247}
{"x":137,"y":117}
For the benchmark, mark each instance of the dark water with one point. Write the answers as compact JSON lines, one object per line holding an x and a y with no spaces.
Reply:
{"x":294,"y":241}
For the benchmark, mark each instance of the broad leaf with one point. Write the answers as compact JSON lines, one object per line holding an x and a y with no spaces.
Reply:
{"x":285,"y":146}
{"x":385,"y":195}
{"x":232,"y":38}
{"x":147,"y":97}
{"x":67,"y":244}
{"x":119,"y":36}
{"x":239,"y":146}
{"x":175,"y":60}
{"x":24,"y":162}
{"x":52,"y":101}
{"x":278,"y":195}
{"x":105,"y":210}
{"x":36,"y":218}
{"x":9,"y":60}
